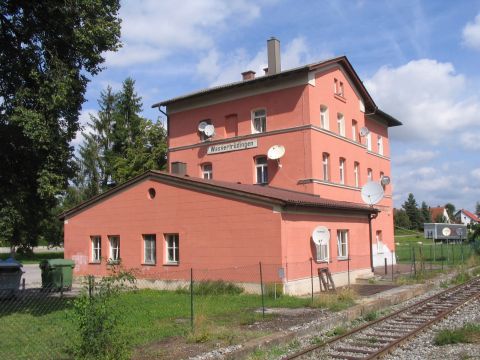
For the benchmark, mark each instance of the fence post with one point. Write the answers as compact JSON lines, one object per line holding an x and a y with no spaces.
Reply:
{"x":261,"y":289}
{"x":441,"y":254}
{"x":414,"y":263}
{"x":453,"y":255}
{"x":461,"y":250}
{"x":311,"y":275}
{"x":61,"y":284}
{"x":386,"y":266}
{"x":191,"y":298}
{"x":348,"y":269}
{"x":431,"y":261}
{"x":392,"y":269}
{"x":90,"y":286}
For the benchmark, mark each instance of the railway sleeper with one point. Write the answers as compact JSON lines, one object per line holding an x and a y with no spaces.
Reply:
{"x":354,"y":350}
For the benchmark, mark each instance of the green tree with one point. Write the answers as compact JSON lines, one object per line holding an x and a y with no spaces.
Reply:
{"x":477,"y":208}
{"x":412,"y":211}
{"x":49,"y":49}
{"x":120,"y":143}
{"x":450,"y":211}
{"x":425,"y":215}
{"x":441,"y":219}
{"x":401,"y":219}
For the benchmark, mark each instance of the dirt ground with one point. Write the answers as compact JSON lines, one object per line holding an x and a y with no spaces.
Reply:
{"x":275,"y":320}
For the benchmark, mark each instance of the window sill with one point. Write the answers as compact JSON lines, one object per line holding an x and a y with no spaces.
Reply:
{"x":113,"y":262}
{"x":148,"y":264}
{"x":343,"y":258}
{"x":94,"y":262}
{"x":171,"y":264}
{"x":322,"y":261}
{"x":340,"y":97}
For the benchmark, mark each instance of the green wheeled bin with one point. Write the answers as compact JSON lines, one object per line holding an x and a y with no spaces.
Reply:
{"x":57,"y":274}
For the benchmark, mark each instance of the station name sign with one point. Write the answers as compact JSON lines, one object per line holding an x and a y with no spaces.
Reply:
{"x":239,"y":145}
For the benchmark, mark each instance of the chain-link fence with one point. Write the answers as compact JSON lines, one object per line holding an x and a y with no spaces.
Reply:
{"x":194,"y":304}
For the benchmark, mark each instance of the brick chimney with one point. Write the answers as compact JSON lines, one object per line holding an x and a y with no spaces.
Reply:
{"x":273,"y":47}
{"x":248,"y":75}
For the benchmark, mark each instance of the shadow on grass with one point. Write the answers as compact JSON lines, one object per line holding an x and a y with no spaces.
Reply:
{"x":33,"y":302}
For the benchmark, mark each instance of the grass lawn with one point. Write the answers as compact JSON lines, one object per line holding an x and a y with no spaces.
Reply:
{"x":44,"y":328}
{"x":34,"y":258}
{"x":453,"y":254}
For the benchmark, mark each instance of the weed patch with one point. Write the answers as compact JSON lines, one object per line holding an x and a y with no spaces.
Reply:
{"x":470,"y":333}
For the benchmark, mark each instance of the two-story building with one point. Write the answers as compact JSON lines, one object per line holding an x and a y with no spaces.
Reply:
{"x":229,"y":202}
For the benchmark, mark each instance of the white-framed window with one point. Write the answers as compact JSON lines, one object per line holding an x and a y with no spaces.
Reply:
{"x":261,"y":170}
{"x":354,"y":130}
{"x":201,"y":134}
{"x":259,"y":121}
{"x":380,"y":145}
{"x":172,"y":249}
{"x":369,"y":174}
{"x":324,"y":118}
{"x":335,"y":86}
{"x":369,"y":141}
{"x":323,"y":251}
{"x":341,"y":90}
{"x":114,"y":248}
{"x":150,"y":249}
{"x":96,"y":248}
{"x":341,"y":168}
{"x":342,"y":243}
{"x":341,"y":124}
{"x":381,"y":177}
{"x":326,"y":166}
{"x":207,"y":171}
{"x":356,"y":173}
{"x":379,"y":239}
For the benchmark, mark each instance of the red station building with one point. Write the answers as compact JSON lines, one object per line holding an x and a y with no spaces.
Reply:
{"x":228,"y":202}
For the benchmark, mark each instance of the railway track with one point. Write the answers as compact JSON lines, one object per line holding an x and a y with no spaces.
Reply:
{"x":382,"y":336}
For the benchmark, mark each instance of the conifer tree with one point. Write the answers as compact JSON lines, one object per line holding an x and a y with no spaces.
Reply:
{"x":411,"y":209}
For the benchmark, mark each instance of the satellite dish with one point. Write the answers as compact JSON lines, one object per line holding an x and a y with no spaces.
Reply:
{"x":320,"y":235}
{"x":372,"y":192}
{"x":209,"y":130}
{"x":385,"y":180}
{"x":276,"y":152}
{"x":446,"y":231}
{"x":364,"y":131}
{"x":201,"y":126}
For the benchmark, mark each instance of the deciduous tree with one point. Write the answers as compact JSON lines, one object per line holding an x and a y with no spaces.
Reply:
{"x":48,"y":51}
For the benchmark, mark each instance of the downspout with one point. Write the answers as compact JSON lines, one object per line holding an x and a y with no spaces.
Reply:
{"x":370,"y":218}
{"x":168,"y":136}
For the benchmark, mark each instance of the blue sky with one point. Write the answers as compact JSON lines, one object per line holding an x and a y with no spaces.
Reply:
{"x":418,"y":59}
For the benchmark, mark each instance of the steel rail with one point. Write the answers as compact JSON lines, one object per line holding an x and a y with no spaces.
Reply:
{"x":396,"y":343}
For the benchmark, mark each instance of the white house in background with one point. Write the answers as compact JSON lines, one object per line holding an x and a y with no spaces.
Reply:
{"x":437,"y":212}
{"x":466,"y":217}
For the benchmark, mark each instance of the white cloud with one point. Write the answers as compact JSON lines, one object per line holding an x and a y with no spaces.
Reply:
{"x":476,"y":174}
{"x":221,"y":68}
{"x":471,"y":34}
{"x":153,"y":29}
{"x":429,"y":98}
{"x":471,"y":140}
{"x":84,"y":119}
{"x":415,"y":156}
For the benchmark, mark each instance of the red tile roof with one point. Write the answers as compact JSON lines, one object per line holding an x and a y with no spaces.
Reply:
{"x":436,"y":211}
{"x":273,"y":195}
{"x":471,"y":215}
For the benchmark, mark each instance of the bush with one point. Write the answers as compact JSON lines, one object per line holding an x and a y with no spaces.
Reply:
{"x":217,"y":287}
{"x":97,"y":318}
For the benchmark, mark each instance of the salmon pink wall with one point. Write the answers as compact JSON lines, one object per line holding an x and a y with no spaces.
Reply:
{"x":214,"y":232}
{"x":296,"y":240}
{"x":285,"y":108}
{"x":239,"y":166}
